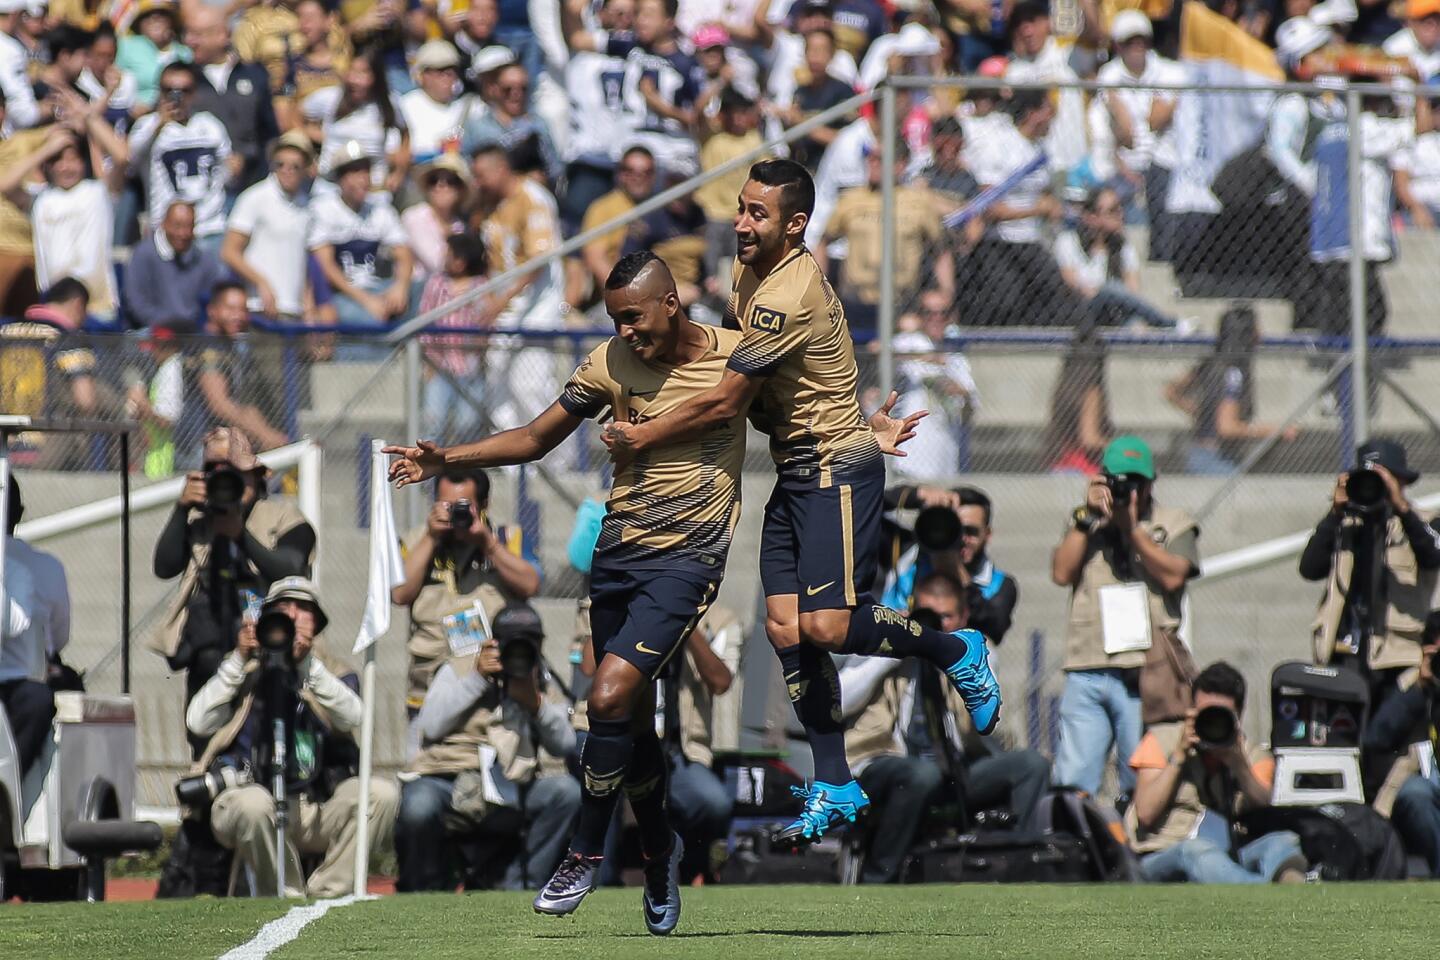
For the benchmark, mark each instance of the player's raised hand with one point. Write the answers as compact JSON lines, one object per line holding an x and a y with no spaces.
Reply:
{"x":890,"y":432}
{"x":416,"y":464}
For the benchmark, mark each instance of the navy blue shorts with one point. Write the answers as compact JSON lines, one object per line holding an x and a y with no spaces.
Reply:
{"x":645,"y":616}
{"x":822,"y":544}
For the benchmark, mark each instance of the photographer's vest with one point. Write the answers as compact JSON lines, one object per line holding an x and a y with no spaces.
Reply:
{"x":1199,"y":789}
{"x":1084,"y":637}
{"x":697,"y":703}
{"x":1397,"y":618}
{"x":458,"y":576}
{"x":267,"y":522}
{"x":520,"y":755}
{"x":873,"y":733}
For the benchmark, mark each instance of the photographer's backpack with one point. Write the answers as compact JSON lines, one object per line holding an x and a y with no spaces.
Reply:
{"x":1343,"y":841}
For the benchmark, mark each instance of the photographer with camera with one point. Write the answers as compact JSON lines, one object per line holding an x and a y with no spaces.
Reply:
{"x":1412,"y":717}
{"x":494,"y":733}
{"x":280,"y":725}
{"x":1378,"y":556}
{"x":951,"y":535}
{"x":228,"y":541}
{"x":456,"y":563}
{"x":1126,"y":560}
{"x":1193,"y":778}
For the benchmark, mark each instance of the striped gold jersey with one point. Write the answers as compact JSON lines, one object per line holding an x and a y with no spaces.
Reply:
{"x":675,"y":505}
{"x":796,"y":337}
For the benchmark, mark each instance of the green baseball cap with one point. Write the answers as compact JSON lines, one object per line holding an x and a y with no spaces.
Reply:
{"x":1129,"y":455}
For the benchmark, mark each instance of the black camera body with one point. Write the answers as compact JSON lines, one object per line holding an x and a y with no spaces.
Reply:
{"x":519,"y":632}
{"x":276,"y":633}
{"x":1123,"y":487}
{"x":1365,"y":491}
{"x":224,"y":489}
{"x":462,"y":515}
{"x":1217,"y":727}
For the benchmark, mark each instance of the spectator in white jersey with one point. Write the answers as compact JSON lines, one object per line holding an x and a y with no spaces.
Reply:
{"x":662,"y":82}
{"x":436,"y":111}
{"x":599,"y":125}
{"x":21,"y":108}
{"x":361,"y":110}
{"x":184,"y":155}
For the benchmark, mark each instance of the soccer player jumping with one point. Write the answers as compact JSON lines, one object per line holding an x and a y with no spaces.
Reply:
{"x":794,"y":371}
{"x":657,"y":564}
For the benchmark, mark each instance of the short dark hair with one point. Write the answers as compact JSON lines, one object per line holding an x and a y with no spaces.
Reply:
{"x":628,"y":267}
{"x":1024,"y":102}
{"x":672,"y":9}
{"x":939,"y":582}
{"x":67,"y":38}
{"x":471,"y":249}
{"x":975,"y":497}
{"x":105,"y":30}
{"x":732,"y":100}
{"x":15,"y":508}
{"x":1431,"y":631}
{"x":480,"y":478}
{"x":1222,"y":680}
{"x":947,"y":126}
{"x":1026,"y":11}
{"x":64,"y":290}
{"x":180,"y":66}
{"x":224,"y":287}
{"x":643,"y":151}
{"x":489,"y":147}
{"x":797,"y":187}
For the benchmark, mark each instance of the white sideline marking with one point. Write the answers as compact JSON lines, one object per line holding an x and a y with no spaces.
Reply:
{"x":277,"y":933}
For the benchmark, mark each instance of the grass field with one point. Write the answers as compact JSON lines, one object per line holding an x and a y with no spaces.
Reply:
{"x":1354,"y":922}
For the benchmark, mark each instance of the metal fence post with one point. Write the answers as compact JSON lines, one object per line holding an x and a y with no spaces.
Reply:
{"x":414,"y":387}
{"x":887,"y":239}
{"x":1359,"y":332}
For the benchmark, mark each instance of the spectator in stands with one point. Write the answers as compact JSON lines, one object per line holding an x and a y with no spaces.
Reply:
{"x":437,"y":111}
{"x":265,"y":245}
{"x":219,"y":554}
{"x":1134,"y":123}
{"x":920,"y":255}
{"x":1416,"y":170}
{"x":229,"y":713}
{"x":450,"y":570}
{"x":235,"y":93}
{"x":982,"y":117}
{"x":947,"y":175}
{"x":1118,"y":542}
{"x":472,"y":29}
{"x":1396,"y":599}
{"x":184,"y":154}
{"x":820,"y":91}
{"x":70,"y":215}
{"x":449,"y":414}
{"x":1219,"y":395}
{"x":1415,"y":813}
{"x":508,"y":120}
{"x":21,"y":109}
{"x":599,"y":125}
{"x":158,"y":402}
{"x":981,"y":32}
{"x":1036,"y":57}
{"x":722,"y":67}
{"x":524,"y":225}
{"x":227,"y":377}
{"x":1189,"y":792}
{"x":445,"y":185}
{"x":150,"y":46}
{"x":362,"y":111}
{"x":662,"y":82}
{"x":482,"y":703}
{"x":1099,"y":263}
{"x":350,"y":230}
{"x":1419,"y":42}
{"x":381,"y":27}
{"x":738,"y":134}
{"x":169,"y":277}
{"x":102,"y":79}
{"x":320,"y":59}
{"x":676,"y":233}
{"x":931,"y":376}
{"x":17,"y":245}
{"x":1078,"y":426}
{"x":36,"y":628}
{"x":634,"y":182}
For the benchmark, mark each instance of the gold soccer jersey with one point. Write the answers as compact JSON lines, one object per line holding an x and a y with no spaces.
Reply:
{"x":795,"y":335}
{"x":675,"y":505}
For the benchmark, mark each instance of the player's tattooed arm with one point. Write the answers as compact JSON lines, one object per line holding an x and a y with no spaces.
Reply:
{"x":521,"y":445}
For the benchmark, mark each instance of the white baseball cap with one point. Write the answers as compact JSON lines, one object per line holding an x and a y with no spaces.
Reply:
{"x":1129,"y":24}
{"x":1298,"y":37}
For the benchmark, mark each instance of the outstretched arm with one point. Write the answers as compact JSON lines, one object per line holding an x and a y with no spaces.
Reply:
{"x":721,"y":403}
{"x":521,"y":445}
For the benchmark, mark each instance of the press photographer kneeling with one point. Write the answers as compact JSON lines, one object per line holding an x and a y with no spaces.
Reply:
{"x":1379,"y":557}
{"x":281,"y":752}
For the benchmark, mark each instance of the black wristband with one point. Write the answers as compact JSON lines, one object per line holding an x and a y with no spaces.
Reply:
{"x":1082,"y":519}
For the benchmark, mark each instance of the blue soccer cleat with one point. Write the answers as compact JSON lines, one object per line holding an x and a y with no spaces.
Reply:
{"x":573,"y":880}
{"x":973,"y":679}
{"x":826,"y":805}
{"x":661,"y":901}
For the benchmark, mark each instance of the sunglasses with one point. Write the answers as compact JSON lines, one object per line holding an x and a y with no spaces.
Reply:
{"x":637,"y":171}
{"x":510,"y":88}
{"x":445,"y":180}
{"x":182,"y":91}
{"x":289,"y":165}
{"x":969,"y":530}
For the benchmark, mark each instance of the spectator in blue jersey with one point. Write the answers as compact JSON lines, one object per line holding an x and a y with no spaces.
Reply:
{"x":662,"y":82}
{"x":956,"y":545}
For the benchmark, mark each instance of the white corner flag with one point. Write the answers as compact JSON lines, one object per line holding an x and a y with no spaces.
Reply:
{"x":386,"y":573}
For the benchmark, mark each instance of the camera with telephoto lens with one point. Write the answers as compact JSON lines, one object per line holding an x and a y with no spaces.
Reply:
{"x":224,"y":489}
{"x":937,"y":529}
{"x":199,"y":791}
{"x":1123,"y":487}
{"x":276,"y":633}
{"x":1365,"y":490}
{"x":1217,"y":727}
{"x":462,"y":515}
{"x":519,"y":632}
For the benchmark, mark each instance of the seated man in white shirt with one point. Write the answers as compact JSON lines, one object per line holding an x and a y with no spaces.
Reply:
{"x":37,"y":624}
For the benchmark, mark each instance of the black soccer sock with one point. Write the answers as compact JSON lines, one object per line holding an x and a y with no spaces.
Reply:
{"x":647,"y":784}
{"x":814,"y":688}
{"x":880,"y":631}
{"x":603,"y":762}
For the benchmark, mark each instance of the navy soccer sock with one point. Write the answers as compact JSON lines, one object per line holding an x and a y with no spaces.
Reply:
{"x":647,"y":784}
{"x":814,"y":688}
{"x":880,"y":631}
{"x":604,"y":762}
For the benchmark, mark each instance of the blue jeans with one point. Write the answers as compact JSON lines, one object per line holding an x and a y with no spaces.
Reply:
{"x":1116,"y":304}
{"x":349,"y":312}
{"x":447,"y":415}
{"x":1416,"y":817}
{"x":1201,"y":861}
{"x":1098,"y":709}
{"x":1207,"y":461}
